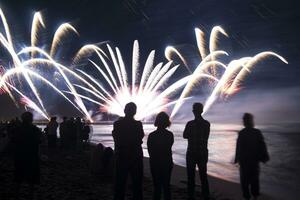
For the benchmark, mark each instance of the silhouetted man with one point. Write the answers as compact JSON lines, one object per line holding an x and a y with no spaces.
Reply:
{"x":128,"y":134}
{"x":197,"y":133}
{"x":52,"y":132}
{"x":63,"y":129}
{"x":250,"y":150}
{"x":26,"y":140}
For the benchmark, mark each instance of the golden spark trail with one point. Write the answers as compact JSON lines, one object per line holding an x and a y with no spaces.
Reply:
{"x":60,"y":32}
{"x":36,"y":22}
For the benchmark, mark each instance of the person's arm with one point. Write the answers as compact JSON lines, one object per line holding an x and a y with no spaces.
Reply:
{"x":114,"y":133}
{"x":187,"y":131}
{"x":60,"y":128}
{"x":263,"y":152}
{"x":149,"y":145}
{"x":141,"y":131}
{"x":207,"y":130}
{"x":172,"y":139}
{"x":237,"y":149}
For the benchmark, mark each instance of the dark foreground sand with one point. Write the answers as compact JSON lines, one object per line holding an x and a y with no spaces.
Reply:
{"x":69,"y":178}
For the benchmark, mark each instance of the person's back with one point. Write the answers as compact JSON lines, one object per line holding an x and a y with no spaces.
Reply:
{"x":128,"y":134}
{"x":86,"y":132}
{"x":197,"y":133}
{"x":160,"y":147}
{"x":52,"y":126}
{"x":26,"y":140}
{"x":71,"y":133}
{"x":251,"y":146}
{"x":63,"y":131}
{"x":63,"y":127}
{"x":52,"y":132}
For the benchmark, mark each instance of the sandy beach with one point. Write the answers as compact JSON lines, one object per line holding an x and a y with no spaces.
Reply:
{"x":68,"y":177}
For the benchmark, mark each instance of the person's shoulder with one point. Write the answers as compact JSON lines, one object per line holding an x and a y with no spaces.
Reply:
{"x":138,"y":122}
{"x":119,"y":120}
{"x":152,"y":134}
{"x":243,"y":130}
{"x":35,"y":128}
{"x":257,"y":132}
{"x":169,"y":132}
{"x":189,"y":123}
{"x":206,"y":122}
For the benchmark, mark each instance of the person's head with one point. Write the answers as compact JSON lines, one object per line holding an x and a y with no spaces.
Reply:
{"x":53,"y":119}
{"x":130,"y":109}
{"x":197,"y":109}
{"x":27,"y":117}
{"x":78,"y":119}
{"x":162,"y":120}
{"x":65,"y":119}
{"x":248,"y":120}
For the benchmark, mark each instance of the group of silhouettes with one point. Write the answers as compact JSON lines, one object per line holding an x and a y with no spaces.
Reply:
{"x":128,"y":137}
{"x":25,"y":139}
{"x":73,"y":132}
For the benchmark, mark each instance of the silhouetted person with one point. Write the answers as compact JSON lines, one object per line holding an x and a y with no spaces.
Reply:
{"x":63,"y":132}
{"x":197,"y":133}
{"x":250,"y":150}
{"x":96,"y":162}
{"x":26,"y":140}
{"x":71,"y":134}
{"x":52,"y":132}
{"x":128,"y":134}
{"x":107,"y":161}
{"x":85,"y":134}
{"x":160,"y":151}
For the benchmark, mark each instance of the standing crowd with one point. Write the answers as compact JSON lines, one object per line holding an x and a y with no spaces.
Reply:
{"x":128,"y":137}
{"x":73,"y":132}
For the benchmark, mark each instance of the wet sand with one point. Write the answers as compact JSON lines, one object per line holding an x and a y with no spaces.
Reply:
{"x":65,"y":177}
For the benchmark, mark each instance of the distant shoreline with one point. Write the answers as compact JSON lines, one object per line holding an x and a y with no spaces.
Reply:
{"x":105,"y":123}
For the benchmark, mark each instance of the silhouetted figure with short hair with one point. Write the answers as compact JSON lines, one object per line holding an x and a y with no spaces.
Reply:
{"x":63,"y":132}
{"x":26,"y":140}
{"x":250,"y":150}
{"x":160,"y":151}
{"x":107,"y":161}
{"x":79,"y":127}
{"x":128,"y":134}
{"x":71,"y":134}
{"x":197,"y":133}
{"x":52,"y":132}
{"x":85,"y":134}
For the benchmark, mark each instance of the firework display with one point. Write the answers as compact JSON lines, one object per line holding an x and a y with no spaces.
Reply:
{"x":112,"y":83}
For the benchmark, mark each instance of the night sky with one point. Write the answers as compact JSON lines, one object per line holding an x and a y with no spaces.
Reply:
{"x":253,"y":26}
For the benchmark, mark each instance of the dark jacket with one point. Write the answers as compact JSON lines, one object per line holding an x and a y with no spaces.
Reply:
{"x":197,"y":133}
{"x":128,"y":137}
{"x":26,"y":140}
{"x":251,"y":147}
{"x":160,"y":148}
